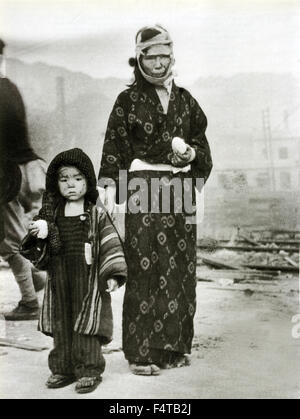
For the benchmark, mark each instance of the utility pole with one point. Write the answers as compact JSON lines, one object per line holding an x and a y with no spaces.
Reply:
{"x":61,"y":105}
{"x":268,"y":143}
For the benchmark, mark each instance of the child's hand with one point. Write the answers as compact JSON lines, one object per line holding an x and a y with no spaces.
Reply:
{"x":38,"y":228}
{"x":112,"y":285}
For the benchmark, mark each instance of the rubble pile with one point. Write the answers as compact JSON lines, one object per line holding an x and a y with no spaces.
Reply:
{"x":255,"y":258}
{"x":246,"y":255}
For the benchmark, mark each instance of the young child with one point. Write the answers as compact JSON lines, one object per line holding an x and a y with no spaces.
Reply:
{"x":86,"y":263}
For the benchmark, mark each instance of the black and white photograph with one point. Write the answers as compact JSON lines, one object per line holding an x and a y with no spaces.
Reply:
{"x":150,"y":202}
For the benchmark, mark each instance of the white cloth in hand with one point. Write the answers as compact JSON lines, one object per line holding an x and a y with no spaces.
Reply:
{"x":43,"y":228}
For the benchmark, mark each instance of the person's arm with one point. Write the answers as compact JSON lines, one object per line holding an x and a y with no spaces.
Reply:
{"x":33,"y":179}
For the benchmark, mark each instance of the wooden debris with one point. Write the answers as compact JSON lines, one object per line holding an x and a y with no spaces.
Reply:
{"x":246,"y":271}
{"x":275,"y":230}
{"x":281,"y":268}
{"x":218,"y":262}
{"x":247,"y":239}
{"x":236,"y":276}
{"x":266,"y":242}
{"x":288,"y":259}
{"x":13,"y":344}
{"x":233,"y":236}
{"x":270,"y":258}
{"x":279,"y":241}
{"x":253,"y":249}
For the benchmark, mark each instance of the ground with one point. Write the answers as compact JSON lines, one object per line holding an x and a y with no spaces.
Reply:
{"x":243,"y":348}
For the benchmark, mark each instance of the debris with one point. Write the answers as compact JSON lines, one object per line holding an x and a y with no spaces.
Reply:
{"x":251,"y":249}
{"x":218,"y":262}
{"x":279,"y":241}
{"x":288,"y":259}
{"x":204,"y":279}
{"x":224,"y":282}
{"x":207,"y":242}
{"x":234,"y":275}
{"x":13,"y":344}
{"x":248,"y":292}
{"x":247,"y":239}
{"x":284,"y":231}
{"x":267,"y":261}
{"x":246,"y":271}
{"x":265,"y":242}
{"x":282,"y":268}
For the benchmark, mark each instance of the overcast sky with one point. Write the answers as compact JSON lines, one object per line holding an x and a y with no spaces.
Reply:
{"x":211,"y":37}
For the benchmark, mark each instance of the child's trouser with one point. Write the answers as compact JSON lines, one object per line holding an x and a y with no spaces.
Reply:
{"x":73,"y":353}
{"x":76,"y":354}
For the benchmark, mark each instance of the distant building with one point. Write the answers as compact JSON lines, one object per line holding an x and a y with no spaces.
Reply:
{"x":270,"y":162}
{"x":282,"y":173}
{"x":284,"y":163}
{"x":255,"y":182}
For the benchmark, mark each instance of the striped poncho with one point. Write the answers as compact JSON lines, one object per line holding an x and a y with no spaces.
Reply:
{"x":108,"y":261}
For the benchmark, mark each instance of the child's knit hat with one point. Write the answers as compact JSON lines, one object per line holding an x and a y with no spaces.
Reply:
{"x":74,"y":157}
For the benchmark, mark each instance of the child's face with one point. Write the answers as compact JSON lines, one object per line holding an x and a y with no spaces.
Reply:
{"x":72,"y":183}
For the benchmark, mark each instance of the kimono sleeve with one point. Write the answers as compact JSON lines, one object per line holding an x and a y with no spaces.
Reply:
{"x":112,"y":257}
{"x":202,"y":164}
{"x":116,"y":143}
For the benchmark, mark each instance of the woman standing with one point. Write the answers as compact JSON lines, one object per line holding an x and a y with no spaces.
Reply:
{"x":160,"y":296}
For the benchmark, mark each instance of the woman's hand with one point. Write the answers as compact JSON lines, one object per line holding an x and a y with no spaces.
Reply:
{"x":112,"y":285}
{"x":183,"y":159}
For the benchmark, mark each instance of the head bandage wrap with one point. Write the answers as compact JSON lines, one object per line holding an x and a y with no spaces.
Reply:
{"x":150,"y":36}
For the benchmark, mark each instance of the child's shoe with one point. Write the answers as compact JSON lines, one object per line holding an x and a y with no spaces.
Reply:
{"x":59,"y":380}
{"x":87,"y":384}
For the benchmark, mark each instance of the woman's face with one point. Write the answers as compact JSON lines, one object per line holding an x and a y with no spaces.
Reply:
{"x":156,"y":65}
{"x":72,"y":183}
{"x":2,"y":65}
{"x":156,"y":60}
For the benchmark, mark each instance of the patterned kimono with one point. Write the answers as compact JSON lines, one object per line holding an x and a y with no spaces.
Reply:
{"x":160,"y":297}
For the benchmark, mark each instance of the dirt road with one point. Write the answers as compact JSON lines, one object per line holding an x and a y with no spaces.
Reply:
{"x":243,"y":348}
